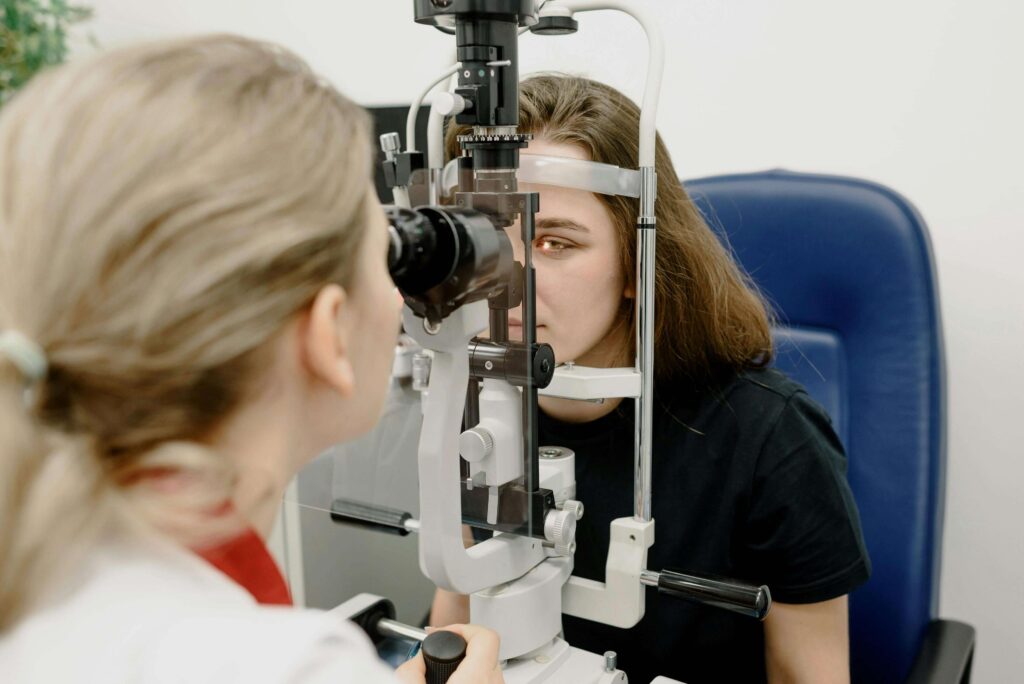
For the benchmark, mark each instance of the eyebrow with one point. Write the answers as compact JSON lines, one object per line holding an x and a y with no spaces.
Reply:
{"x":566,"y":223}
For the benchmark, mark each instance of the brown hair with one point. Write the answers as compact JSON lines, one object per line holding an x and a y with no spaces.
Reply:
{"x":165,"y":210}
{"x":709,"y":318}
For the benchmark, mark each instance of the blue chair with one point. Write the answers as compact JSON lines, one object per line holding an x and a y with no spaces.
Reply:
{"x":848,"y":266}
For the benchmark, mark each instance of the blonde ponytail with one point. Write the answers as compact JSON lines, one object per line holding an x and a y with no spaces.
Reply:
{"x":38,"y":536}
{"x":165,"y":211}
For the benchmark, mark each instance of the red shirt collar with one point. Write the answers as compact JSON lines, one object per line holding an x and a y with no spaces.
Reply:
{"x":246,"y":560}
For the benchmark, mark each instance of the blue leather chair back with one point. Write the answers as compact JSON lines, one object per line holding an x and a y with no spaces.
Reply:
{"x":848,"y":266}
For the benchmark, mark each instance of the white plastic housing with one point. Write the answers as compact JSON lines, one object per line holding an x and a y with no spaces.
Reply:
{"x":500,"y":411}
{"x":593,"y":384}
{"x":619,"y":600}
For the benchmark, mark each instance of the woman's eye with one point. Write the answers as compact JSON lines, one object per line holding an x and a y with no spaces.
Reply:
{"x":552,"y":246}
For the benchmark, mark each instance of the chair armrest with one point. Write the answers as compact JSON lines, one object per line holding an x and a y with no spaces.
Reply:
{"x":946,"y":654}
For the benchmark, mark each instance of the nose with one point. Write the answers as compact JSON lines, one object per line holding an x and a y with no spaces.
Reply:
{"x":515,"y":237}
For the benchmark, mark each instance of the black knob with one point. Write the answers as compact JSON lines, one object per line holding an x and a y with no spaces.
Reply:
{"x":442,"y":653}
{"x":738,"y":597}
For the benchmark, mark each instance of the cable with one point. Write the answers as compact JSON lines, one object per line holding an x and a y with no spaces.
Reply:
{"x":410,"y":120}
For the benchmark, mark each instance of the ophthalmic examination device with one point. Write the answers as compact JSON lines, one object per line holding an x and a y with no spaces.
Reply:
{"x":479,"y":460}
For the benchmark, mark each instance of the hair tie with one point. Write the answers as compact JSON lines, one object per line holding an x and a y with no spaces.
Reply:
{"x":24,"y":353}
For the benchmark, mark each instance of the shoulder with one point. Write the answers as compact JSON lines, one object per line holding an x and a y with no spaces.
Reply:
{"x":154,"y":614}
{"x":786,"y":418}
{"x":758,"y":387}
{"x":753,"y":401}
{"x":271,"y":644}
{"x":756,"y":420}
{"x":798,"y":414}
{"x":767,"y":386}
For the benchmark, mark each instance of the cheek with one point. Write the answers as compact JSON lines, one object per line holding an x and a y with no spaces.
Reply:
{"x":381,"y":313}
{"x":578,"y":301}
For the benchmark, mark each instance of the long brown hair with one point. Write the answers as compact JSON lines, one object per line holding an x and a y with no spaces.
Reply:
{"x":710,"y":319}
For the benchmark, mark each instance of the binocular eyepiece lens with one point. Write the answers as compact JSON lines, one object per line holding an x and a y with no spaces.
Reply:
{"x":444,"y":257}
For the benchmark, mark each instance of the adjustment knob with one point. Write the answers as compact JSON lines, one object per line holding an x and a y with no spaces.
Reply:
{"x":573,"y":506}
{"x":476,"y":444}
{"x":391,"y":144}
{"x":450,"y":104}
{"x":442,"y":653}
{"x":560,"y":529}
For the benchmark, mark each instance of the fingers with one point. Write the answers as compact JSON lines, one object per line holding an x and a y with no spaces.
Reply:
{"x":481,"y":663}
{"x":412,"y":671}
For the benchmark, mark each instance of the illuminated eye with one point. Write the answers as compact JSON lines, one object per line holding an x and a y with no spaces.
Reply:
{"x":551,"y":246}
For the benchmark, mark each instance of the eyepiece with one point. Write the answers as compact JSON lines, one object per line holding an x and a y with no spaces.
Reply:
{"x":444,"y":257}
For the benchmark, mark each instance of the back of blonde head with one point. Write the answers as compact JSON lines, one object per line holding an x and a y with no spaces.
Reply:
{"x":164,"y":211}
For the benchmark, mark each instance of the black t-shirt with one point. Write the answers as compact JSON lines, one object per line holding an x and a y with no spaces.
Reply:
{"x":748,"y":482}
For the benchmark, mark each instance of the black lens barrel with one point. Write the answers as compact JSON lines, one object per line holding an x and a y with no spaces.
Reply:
{"x":443,"y":257}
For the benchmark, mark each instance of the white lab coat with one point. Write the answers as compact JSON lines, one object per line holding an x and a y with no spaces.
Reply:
{"x":154,"y":614}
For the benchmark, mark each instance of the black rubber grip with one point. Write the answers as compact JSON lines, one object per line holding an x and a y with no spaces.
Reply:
{"x":737,"y":597}
{"x":442,"y":653}
{"x":376,"y":517}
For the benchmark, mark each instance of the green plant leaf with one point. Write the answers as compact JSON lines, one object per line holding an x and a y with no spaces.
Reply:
{"x":33,"y":36}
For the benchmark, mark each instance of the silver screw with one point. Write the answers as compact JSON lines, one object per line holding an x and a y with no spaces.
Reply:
{"x":611,"y":659}
{"x":390,"y":143}
{"x":489,"y":365}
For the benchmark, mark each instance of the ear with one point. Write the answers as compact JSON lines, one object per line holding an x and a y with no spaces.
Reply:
{"x":326,"y":343}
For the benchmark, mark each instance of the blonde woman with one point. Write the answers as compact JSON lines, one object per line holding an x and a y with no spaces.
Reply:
{"x":194,"y":302}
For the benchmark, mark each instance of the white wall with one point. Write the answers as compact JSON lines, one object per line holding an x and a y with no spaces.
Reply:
{"x":922,"y":95}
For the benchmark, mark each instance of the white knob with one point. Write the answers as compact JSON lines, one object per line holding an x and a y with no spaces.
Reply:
{"x":575,"y":507}
{"x":390,"y":143}
{"x":449,"y":104}
{"x":560,"y":529}
{"x":476,"y":444}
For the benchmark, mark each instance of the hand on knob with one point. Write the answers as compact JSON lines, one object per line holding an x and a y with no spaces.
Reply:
{"x":479,"y":667}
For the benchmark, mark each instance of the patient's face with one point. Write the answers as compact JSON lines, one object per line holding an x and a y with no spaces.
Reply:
{"x":580,"y":284}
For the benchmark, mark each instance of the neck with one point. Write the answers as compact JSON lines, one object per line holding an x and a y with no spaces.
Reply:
{"x":261,"y":446}
{"x":573,"y":411}
{"x":610,"y":353}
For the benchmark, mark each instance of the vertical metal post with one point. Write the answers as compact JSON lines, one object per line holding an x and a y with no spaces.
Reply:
{"x":644,"y":414}
{"x":499,"y":325}
{"x":531,"y":456}
{"x":470,"y":418}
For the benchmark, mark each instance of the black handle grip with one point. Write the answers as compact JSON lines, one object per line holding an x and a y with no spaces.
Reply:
{"x":442,"y":653}
{"x":738,"y":597}
{"x":364,"y":515}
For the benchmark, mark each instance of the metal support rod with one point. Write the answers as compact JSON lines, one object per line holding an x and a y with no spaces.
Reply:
{"x":392,"y":628}
{"x":434,"y":187}
{"x":531,"y":456}
{"x":471,"y":414}
{"x":499,"y":325}
{"x":649,"y":578}
{"x":470,"y":418}
{"x":644,"y":414}
{"x":738,"y":597}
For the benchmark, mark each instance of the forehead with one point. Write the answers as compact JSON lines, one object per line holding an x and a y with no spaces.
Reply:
{"x":546,"y":147}
{"x":556,"y":202}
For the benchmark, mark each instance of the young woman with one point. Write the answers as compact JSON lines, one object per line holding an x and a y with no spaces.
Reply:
{"x":194,"y":303}
{"x":748,"y":476}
